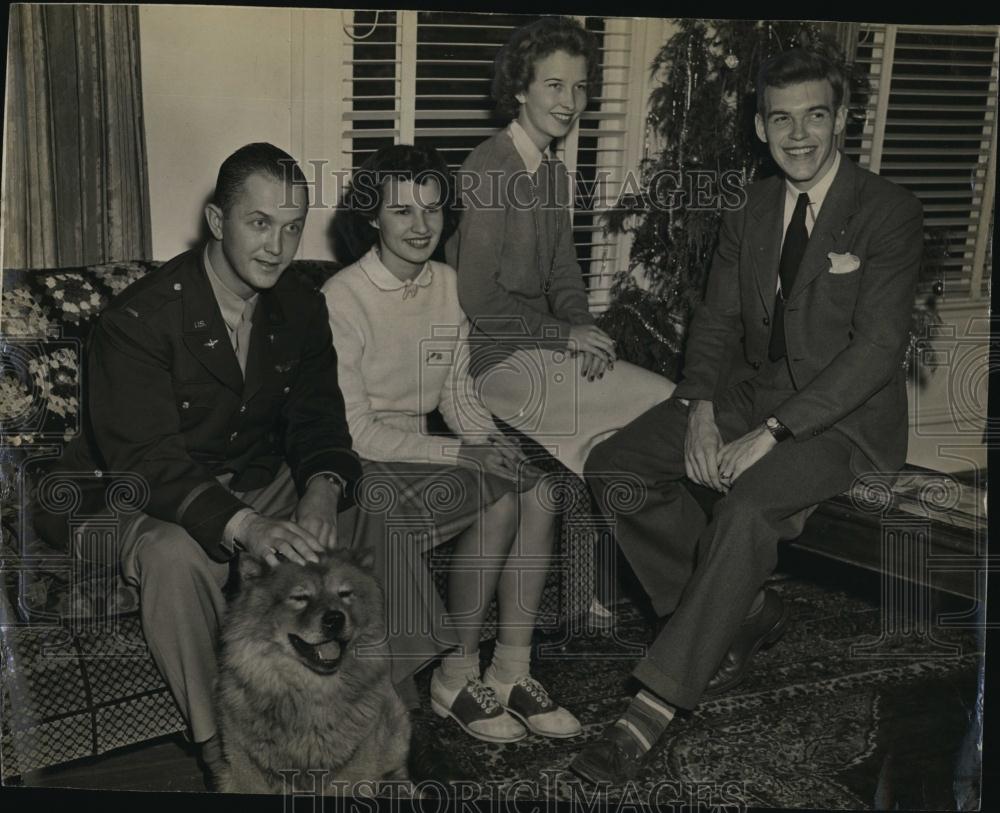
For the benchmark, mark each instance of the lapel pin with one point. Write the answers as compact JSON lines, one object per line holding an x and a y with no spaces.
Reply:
{"x":210,"y":344}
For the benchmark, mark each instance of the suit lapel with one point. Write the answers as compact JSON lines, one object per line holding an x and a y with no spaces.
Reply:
{"x":768,"y":211}
{"x":205,"y":333}
{"x":838,"y":207}
{"x":267,"y":334}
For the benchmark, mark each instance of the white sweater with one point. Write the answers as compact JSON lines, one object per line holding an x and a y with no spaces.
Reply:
{"x":401,"y":353}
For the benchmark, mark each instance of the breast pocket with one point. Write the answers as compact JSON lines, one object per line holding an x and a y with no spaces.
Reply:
{"x":195,"y":399}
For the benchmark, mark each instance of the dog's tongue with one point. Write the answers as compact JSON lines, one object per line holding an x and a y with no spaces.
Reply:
{"x":329,"y":651}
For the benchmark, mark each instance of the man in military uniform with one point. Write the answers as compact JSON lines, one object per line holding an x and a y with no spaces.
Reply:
{"x":214,"y":379}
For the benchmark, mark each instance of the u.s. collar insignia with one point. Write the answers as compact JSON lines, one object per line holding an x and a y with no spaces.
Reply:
{"x":200,"y":323}
{"x":210,"y":344}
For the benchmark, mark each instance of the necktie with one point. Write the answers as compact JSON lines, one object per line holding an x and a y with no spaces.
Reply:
{"x":792,"y":252}
{"x":243,"y":335}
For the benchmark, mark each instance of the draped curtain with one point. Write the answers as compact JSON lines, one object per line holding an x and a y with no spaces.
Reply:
{"x":75,"y":189}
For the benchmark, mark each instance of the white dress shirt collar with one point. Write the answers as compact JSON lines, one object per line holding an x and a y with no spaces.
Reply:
{"x":816,"y":196}
{"x":526,"y":148}
{"x":231,"y":303}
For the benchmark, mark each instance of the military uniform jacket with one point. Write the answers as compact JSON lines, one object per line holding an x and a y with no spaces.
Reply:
{"x":847,"y":316}
{"x":166,"y":399}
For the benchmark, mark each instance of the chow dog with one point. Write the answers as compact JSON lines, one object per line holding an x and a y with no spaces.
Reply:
{"x":304,"y":680}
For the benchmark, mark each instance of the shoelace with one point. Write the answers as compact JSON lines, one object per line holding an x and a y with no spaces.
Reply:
{"x":536,"y":690}
{"x":483,"y":695}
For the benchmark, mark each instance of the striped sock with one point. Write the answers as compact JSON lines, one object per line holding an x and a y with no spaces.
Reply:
{"x":646,"y":719}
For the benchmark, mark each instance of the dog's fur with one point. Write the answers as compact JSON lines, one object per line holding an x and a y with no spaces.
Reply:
{"x":283,"y":707}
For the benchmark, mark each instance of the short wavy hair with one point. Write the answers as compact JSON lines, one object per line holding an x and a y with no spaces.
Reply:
{"x":514,"y":66}
{"x":365,"y":195}
{"x":798,"y":65}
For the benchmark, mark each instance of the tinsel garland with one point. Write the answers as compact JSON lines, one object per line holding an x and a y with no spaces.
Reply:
{"x":650,"y":328}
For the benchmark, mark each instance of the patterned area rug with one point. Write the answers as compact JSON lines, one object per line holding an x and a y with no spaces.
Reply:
{"x":825,"y":720}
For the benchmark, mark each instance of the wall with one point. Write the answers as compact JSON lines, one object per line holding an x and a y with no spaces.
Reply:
{"x":213,"y":79}
{"x":217,"y":78}
{"x":948,"y":410}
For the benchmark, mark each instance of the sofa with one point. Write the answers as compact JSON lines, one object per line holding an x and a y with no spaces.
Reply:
{"x":76,"y":678}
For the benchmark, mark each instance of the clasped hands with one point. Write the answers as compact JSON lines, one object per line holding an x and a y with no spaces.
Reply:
{"x":595,"y":348}
{"x":311,"y":530}
{"x":712,"y":463}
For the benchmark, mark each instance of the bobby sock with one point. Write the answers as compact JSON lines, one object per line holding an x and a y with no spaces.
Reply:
{"x":646,"y":719}
{"x":510,"y":663}
{"x":457,"y":669}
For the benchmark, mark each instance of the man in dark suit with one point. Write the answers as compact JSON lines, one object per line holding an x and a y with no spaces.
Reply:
{"x":214,"y":379}
{"x":793,"y":384}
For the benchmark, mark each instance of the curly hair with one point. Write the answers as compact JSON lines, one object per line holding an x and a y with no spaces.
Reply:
{"x":798,"y":65}
{"x":514,"y":66}
{"x":365,"y":195}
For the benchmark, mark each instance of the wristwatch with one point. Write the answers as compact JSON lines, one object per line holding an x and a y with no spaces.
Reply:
{"x":777,"y":429}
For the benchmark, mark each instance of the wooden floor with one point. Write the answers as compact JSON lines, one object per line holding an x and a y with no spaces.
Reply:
{"x":165,"y":764}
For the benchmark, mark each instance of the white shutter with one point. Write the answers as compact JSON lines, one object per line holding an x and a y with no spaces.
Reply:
{"x":372,"y":87}
{"x":931,"y":127}
{"x":424,"y":77}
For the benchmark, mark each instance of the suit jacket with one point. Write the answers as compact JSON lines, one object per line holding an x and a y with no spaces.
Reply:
{"x":846,"y":333}
{"x":167,"y":401}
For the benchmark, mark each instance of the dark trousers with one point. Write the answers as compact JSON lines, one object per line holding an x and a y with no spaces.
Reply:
{"x":704,"y":566}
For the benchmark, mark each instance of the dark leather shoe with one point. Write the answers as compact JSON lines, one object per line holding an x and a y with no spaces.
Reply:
{"x":430,"y":761}
{"x":614,"y":758}
{"x":759,"y":631}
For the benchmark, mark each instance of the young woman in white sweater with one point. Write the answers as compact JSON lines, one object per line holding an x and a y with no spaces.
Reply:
{"x":401,"y":342}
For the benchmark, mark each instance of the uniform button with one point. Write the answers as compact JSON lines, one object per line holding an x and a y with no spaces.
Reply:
{"x":233,"y":436}
{"x":177,"y":286}
{"x":766,"y":321}
{"x":243,"y":408}
{"x":185,"y":404}
{"x":98,"y":473}
{"x":287,"y":390}
{"x":755,"y":365}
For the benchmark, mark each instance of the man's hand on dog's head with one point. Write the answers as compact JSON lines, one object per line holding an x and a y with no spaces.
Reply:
{"x":266,"y":538}
{"x":316,"y":513}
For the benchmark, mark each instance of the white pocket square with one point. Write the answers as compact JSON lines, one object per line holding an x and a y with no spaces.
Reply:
{"x":843,"y":263}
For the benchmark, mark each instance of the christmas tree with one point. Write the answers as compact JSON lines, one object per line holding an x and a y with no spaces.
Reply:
{"x":701,"y":112}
